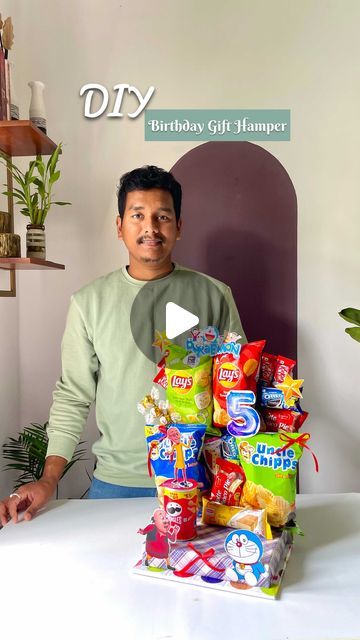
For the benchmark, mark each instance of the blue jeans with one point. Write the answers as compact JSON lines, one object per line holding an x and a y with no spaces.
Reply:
{"x":100,"y":490}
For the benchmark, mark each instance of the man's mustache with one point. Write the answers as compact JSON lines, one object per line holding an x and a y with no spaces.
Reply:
{"x":144,"y":238}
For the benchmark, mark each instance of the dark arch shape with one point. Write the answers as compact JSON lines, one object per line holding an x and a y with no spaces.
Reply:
{"x":240,"y":226}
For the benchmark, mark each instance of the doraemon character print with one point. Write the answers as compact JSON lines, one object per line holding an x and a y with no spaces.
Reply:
{"x":245,"y":549}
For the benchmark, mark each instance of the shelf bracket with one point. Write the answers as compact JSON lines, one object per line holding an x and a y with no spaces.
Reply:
{"x":10,"y":293}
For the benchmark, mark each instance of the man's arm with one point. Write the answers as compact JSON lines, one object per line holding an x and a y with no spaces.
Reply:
{"x":75,"y":391}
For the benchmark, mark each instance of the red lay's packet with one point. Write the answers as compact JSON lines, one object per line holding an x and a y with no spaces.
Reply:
{"x":236,"y":368}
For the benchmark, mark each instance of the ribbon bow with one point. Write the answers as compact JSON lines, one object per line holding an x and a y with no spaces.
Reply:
{"x":301,"y":440}
{"x":184,"y":572}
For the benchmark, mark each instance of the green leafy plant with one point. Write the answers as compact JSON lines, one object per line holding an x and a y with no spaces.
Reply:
{"x":28,"y":452}
{"x":353,"y":316}
{"x":34,"y":191}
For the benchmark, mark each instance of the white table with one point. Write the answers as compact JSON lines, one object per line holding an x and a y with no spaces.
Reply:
{"x":67,"y":574}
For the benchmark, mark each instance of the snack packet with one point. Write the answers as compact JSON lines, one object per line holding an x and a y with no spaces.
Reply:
{"x":189,"y":386}
{"x":267,"y":369}
{"x":283,"y":420}
{"x":222,"y":515}
{"x":229,"y":447}
{"x":283,"y":366}
{"x":270,"y":468}
{"x":228,"y":482}
{"x":211,"y":451}
{"x":170,"y":453}
{"x":235,"y":369}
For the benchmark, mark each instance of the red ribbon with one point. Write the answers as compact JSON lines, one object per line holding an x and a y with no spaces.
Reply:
{"x":153,"y":445}
{"x":183,"y":573}
{"x":301,"y":440}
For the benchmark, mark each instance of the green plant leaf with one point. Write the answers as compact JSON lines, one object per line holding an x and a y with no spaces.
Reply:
{"x":54,"y":177}
{"x":40,"y":165}
{"x":53,"y":159}
{"x":351,"y":315}
{"x":27,"y":453}
{"x":61,"y":204}
{"x":354,"y":332}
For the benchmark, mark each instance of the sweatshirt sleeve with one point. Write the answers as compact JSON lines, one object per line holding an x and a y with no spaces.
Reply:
{"x":235,"y":322}
{"x":76,"y":388}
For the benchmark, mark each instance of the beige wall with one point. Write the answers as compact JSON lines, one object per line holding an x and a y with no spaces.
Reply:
{"x":254,"y":54}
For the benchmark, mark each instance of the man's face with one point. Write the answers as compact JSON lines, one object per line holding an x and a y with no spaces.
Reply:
{"x":149,"y":228}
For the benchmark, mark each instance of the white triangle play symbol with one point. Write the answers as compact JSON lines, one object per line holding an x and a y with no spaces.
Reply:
{"x":178,"y":320}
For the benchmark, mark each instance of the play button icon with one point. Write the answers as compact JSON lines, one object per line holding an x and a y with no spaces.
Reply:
{"x":178,"y":320}
{"x":172,"y":305}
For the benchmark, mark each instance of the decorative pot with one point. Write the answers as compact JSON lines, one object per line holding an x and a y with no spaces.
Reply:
{"x":35,"y":241}
{"x":37,"y":111}
{"x":10,"y":245}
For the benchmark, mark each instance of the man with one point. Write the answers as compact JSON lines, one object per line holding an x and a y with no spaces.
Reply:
{"x":100,"y":359}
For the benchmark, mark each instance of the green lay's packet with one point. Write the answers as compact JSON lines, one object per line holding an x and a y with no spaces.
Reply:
{"x":189,"y":386}
{"x":270,"y":475}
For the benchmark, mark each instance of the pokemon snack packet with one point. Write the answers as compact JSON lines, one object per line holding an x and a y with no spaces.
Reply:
{"x":173,"y":453}
{"x":188,"y":387}
{"x":236,"y":368}
{"x":270,"y":462}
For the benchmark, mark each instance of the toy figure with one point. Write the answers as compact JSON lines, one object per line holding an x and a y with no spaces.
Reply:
{"x":177,"y":447}
{"x":245,"y":549}
{"x":158,"y":534}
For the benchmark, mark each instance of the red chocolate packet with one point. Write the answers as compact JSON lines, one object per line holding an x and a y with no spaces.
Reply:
{"x":228,"y":483}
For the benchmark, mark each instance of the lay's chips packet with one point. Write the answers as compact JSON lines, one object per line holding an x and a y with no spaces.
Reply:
{"x":236,"y":368}
{"x":189,"y":386}
{"x":270,"y":474}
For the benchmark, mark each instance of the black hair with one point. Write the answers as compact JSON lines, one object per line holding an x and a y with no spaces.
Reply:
{"x":149,"y":177}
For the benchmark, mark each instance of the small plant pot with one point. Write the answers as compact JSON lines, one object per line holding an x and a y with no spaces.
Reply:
{"x":35,"y":241}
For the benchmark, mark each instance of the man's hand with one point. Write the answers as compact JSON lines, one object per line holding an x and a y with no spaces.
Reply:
{"x":34,"y":495}
{"x":31,"y":498}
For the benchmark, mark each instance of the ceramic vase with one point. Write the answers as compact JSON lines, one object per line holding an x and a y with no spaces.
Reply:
{"x":37,"y":111}
{"x":35,"y":241}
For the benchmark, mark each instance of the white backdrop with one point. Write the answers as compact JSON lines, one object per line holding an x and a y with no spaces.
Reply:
{"x":244,"y":54}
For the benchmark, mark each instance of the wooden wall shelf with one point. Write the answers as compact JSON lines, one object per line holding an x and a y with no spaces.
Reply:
{"x":23,"y":138}
{"x":11,"y":264}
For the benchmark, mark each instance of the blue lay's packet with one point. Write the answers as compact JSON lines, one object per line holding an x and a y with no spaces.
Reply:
{"x":174,"y":452}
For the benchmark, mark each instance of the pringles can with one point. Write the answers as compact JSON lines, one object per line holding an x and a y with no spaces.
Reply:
{"x":181,"y":505}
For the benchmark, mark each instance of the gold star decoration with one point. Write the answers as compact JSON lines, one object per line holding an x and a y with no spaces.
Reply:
{"x":161,"y":340}
{"x":291,"y":390}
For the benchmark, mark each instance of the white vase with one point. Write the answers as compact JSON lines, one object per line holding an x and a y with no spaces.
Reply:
{"x":14,"y":103}
{"x":37,"y":111}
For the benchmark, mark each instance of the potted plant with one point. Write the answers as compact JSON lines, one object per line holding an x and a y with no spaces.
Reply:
{"x":353,"y":316}
{"x":34,"y":195}
{"x":28,"y":452}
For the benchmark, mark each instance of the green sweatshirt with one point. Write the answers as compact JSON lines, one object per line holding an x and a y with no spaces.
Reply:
{"x":101,"y":362}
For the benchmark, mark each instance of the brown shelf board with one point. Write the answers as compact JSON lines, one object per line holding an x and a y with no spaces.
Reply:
{"x":28,"y":263}
{"x":23,"y":138}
